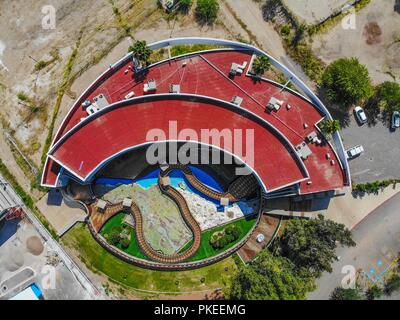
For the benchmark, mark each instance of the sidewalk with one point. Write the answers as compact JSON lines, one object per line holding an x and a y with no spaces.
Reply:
{"x":350,"y":211}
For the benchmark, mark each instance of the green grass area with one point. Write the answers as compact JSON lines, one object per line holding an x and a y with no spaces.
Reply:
{"x":206,"y":250}
{"x":133,"y":248}
{"x":101,"y":261}
{"x":184,"y":49}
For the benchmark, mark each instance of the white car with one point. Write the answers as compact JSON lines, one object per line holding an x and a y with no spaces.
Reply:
{"x":360,"y":114}
{"x":354,"y":152}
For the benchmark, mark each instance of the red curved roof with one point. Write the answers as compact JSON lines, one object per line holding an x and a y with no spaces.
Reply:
{"x":207,"y":74}
{"x":127,"y":126}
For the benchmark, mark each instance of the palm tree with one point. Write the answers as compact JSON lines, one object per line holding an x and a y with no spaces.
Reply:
{"x":141,"y":51}
{"x":261,"y":65}
{"x":329,"y":126}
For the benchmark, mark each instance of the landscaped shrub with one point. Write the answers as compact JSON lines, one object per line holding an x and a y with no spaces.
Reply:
{"x":346,"y":294}
{"x":114,"y":237}
{"x":285,"y":30}
{"x":347,"y":81}
{"x":386,"y":98}
{"x":184,"y":5}
{"x":125,"y":242}
{"x":374,"y":292}
{"x":392,"y":284}
{"x":222,"y":238}
{"x":374,"y":187}
{"x":183,"y":49}
{"x":207,"y":11}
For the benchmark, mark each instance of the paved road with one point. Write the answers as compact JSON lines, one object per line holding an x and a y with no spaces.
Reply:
{"x":382,"y":151}
{"x":378,"y":243}
{"x":55,"y":246}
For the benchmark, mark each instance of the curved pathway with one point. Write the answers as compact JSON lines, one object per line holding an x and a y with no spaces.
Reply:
{"x":98,"y":219}
{"x":198,"y":185}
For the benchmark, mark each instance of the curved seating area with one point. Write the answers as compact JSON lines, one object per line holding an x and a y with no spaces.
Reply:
{"x":198,"y":185}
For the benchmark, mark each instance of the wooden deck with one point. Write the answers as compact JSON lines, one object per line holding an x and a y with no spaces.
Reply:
{"x":267,"y":227}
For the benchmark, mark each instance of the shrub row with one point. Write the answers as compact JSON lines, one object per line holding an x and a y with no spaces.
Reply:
{"x":374,"y":187}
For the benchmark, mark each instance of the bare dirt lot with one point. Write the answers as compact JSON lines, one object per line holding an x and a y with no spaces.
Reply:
{"x":313,"y":11}
{"x":375,"y":41}
{"x":22,"y":249}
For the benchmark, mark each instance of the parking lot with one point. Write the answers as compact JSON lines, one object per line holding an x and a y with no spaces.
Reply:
{"x":381,"y":159}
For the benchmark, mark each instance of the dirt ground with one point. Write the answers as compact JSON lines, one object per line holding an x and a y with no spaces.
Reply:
{"x":21,"y":246}
{"x":100,"y":39}
{"x":88,"y":37}
{"x":375,"y":41}
{"x":313,"y":11}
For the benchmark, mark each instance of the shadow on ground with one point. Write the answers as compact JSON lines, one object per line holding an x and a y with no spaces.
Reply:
{"x":8,"y":229}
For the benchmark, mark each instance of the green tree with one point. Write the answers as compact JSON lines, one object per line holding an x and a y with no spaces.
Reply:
{"x":392,"y":284}
{"x":141,"y":51}
{"x":386,"y":97}
{"x":125,"y":242}
{"x":329,"y":126}
{"x":207,"y":11}
{"x":340,"y":293}
{"x":184,"y":5}
{"x":374,"y":292}
{"x":261,"y":65}
{"x":271,"y":278}
{"x":114,"y":237}
{"x":311,"y":243}
{"x":347,"y":81}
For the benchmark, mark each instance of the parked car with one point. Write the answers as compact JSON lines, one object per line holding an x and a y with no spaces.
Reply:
{"x":354,"y":152}
{"x":360,"y":115}
{"x":395,"y":120}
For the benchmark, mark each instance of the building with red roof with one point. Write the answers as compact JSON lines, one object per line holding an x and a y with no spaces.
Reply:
{"x":207,"y":90}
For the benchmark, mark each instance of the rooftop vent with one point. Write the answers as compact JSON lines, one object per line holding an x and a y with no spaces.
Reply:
{"x":100,"y":101}
{"x":237,"y":100}
{"x":274,"y":104}
{"x":175,"y":88}
{"x":303,"y":150}
{"x":150,"y":86}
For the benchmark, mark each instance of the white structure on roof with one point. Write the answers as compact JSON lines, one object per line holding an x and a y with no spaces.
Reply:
{"x":150,"y":86}
{"x":237,"y":100}
{"x":274,"y":104}
{"x":175,"y":88}
{"x":100,"y":101}
{"x":130,"y":95}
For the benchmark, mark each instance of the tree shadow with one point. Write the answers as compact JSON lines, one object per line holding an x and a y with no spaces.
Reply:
{"x":8,"y":229}
{"x":338,"y":112}
{"x":397,"y":6}
{"x":270,"y":9}
{"x":373,"y":114}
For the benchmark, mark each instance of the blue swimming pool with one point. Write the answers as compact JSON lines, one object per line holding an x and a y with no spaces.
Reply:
{"x":177,"y":178}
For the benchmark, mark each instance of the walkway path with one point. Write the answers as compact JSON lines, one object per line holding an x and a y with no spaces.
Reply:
{"x":378,"y":242}
{"x":98,"y":219}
